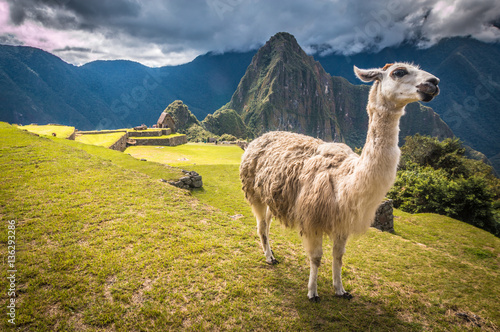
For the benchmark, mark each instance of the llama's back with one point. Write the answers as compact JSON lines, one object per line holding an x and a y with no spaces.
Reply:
{"x":275,"y":164}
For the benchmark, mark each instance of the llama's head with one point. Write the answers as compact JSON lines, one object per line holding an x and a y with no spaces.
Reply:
{"x":401,"y":83}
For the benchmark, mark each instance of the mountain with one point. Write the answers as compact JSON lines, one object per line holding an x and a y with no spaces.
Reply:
{"x":182,"y":115}
{"x":226,"y":121}
{"x":285,"y":89}
{"x":36,"y":86}
{"x":186,"y":122}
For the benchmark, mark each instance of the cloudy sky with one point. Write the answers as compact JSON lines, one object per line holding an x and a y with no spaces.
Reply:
{"x":167,"y":32}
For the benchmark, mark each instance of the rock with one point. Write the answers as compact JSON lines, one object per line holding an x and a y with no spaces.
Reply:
{"x":197,"y":184}
{"x":192,"y":180}
{"x":384,"y":217}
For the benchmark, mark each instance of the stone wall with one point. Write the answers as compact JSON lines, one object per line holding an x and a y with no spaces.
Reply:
{"x":178,"y":140}
{"x":150,"y":133}
{"x":72,"y":136}
{"x":95,"y":132}
{"x":171,"y":141}
{"x":384,"y":217}
{"x":120,"y":145}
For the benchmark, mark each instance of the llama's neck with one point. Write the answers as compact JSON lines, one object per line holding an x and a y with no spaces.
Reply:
{"x":379,"y":160}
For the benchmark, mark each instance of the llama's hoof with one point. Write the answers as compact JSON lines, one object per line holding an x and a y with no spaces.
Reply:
{"x":315,"y":299}
{"x":346,"y":296}
{"x":273,"y":261}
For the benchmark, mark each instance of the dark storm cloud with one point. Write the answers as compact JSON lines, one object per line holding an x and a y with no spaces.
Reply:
{"x":74,"y":49}
{"x":198,"y":26}
{"x":10,"y":39}
{"x":70,"y":14}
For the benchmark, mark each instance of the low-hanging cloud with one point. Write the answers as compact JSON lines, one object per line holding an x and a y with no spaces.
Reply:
{"x":160,"y":32}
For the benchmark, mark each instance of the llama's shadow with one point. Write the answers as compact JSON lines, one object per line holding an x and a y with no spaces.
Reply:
{"x":333,"y":313}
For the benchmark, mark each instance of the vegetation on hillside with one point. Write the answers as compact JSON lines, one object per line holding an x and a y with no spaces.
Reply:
{"x":59,"y":131}
{"x":226,"y":121}
{"x":186,"y":122}
{"x":437,"y":177}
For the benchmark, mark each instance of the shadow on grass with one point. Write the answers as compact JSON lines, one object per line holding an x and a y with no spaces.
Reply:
{"x":361,"y":313}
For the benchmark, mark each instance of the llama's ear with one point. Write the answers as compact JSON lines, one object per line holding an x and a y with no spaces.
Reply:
{"x":368,"y":75}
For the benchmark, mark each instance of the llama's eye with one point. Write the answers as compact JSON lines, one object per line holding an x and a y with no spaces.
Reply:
{"x":399,"y":72}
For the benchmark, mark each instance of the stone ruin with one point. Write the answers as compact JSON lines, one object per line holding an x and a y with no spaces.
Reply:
{"x":384,"y":217}
{"x":191,"y":180}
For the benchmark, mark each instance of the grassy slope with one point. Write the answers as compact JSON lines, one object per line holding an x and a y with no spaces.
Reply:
{"x":60,"y":131}
{"x":107,"y":246}
{"x":105,"y":140}
{"x":432,"y":268}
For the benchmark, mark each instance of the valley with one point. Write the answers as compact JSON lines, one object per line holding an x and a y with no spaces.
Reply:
{"x":38,"y":87}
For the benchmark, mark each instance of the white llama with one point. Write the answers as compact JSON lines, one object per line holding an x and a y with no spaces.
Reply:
{"x":325,"y":188}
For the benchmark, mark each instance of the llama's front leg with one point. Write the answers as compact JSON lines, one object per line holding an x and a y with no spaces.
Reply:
{"x":263,"y":215}
{"x":338,"y":252}
{"x":314,"y":248}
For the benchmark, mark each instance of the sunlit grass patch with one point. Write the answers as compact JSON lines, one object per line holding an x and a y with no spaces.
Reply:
{"x":105,"y":140}
{"x":189,"y":154}
{"x":48,"y":130}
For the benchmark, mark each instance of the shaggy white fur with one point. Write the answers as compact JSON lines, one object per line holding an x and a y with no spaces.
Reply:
{"x":325,"y":188}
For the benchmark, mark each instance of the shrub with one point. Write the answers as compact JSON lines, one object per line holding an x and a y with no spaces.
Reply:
{"x":228,"y":138}
{"x":436,"y":177}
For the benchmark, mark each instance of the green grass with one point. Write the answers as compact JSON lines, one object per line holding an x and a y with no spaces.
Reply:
{"x":103,"y":245}
{"x":105,"y":140}
{"x":189,"y":154}
{"x":47,"y":130}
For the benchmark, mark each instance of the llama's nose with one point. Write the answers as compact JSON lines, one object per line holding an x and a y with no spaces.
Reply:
{"x":433,"y":80}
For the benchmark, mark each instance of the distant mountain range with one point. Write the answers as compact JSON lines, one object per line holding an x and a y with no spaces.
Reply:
{"x":36,"y":86}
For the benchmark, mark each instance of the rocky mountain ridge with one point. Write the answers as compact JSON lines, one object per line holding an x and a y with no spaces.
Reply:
{"x":285,"y":89}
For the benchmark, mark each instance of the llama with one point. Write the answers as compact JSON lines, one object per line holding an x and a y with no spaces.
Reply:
{"x":325,"y":188}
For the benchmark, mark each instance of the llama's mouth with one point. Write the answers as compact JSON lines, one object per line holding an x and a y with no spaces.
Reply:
{"x":427,"y":91}
{"x":425,"y":97}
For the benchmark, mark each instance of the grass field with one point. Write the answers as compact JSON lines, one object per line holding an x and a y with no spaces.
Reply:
{"x":60,"y":131}
{"x":105,"y":140}
{"x":189,"y":154}
{"x":103,"y":245}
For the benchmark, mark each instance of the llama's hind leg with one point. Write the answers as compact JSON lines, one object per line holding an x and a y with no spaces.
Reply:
{"x":338,"y":252}
{"x":314,"y":248}
{"x":263,"y":216}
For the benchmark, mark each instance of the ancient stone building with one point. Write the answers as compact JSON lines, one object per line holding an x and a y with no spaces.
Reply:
{"x":166,"y":121}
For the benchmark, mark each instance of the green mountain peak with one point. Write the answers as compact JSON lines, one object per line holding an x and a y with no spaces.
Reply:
{"x":285,"y":89}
